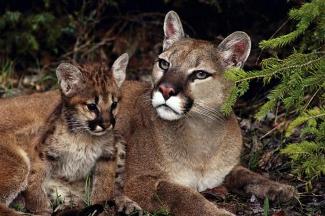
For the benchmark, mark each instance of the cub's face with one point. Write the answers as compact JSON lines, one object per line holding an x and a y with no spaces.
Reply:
{"x":94,"y":112}
{"x":188,"y":75}
{"x":90,"y":95}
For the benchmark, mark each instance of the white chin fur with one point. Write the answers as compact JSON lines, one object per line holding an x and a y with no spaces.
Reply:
{"x":173,"y":109}
{"x":157,"y":99}
{"x":167,"y":114}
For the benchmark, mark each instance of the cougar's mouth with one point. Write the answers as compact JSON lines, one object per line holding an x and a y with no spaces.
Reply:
{"x":171,"y":109}
{"x":167,"y":113}
{"x":166,"y":107}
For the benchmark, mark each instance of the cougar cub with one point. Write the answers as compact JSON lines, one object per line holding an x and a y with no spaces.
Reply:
{"x":76,"y":139}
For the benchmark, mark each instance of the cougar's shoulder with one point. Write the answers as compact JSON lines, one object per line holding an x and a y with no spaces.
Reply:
{"x":133,"y":96}
{"x":24,"y":115}
{"x":21,"y":111}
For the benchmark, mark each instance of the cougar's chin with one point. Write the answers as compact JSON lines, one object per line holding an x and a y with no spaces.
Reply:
{"x":170,"y":109}
{"x":167,"y":113}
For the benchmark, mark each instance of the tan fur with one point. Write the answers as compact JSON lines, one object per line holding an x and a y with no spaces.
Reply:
{"x":167,"y":162}
{"x":241,"y":178}
{"x":55,"y":151}
{"x":174,"y":155}
{"x":21,"y":120}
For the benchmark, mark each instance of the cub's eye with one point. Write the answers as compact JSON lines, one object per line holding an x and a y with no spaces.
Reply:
{"x":114,"y":105}
{"x":164,"y":65}
{"x":92,"y":107}
{"x":200,"y":74}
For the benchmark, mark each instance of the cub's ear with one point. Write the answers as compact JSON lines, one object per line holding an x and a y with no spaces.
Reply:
{"x":119,"y":69}
{"x":235,"y":49}
{"x":173,"y":29}
{"x":70,"y":79}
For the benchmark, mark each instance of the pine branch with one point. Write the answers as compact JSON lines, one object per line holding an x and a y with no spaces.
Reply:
{"x":305,"y":15}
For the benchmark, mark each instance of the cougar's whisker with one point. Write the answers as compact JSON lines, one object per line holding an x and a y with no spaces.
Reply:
{"x":216,"y":113}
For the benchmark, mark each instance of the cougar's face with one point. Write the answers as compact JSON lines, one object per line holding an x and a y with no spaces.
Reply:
{"x":91,"y":94}
{"x":186,"y":75}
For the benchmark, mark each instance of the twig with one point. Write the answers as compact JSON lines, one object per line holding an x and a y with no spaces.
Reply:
{"x":272,"y":130}
{"x":97,"y":45}
{"x":281,"y":26}
{"x":312,"y":97}
{"x":281,"y":69}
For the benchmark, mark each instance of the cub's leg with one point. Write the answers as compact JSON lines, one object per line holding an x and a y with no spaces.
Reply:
{"x":153,"y":194}
{"x":14,"y":170}
{"x":250,"y":182}
{"x":36,"y":198}
{"x":103,"y":181}
{"x":109,"y":181}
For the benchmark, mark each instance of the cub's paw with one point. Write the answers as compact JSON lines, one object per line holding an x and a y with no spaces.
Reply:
{"x":46,"y":212}
{"x":273,"y":190}
{"x":126,"y":205}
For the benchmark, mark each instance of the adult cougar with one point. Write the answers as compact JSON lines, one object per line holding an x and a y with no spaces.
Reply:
{"x":178,"y":142}
{"x":76,"y":136}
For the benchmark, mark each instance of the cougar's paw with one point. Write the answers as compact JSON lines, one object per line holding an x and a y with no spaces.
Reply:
{"x":126,"y":205}
{"x":273,"y":190}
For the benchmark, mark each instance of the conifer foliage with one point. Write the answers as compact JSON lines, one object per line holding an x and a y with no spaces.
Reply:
{"x":300,"y":88}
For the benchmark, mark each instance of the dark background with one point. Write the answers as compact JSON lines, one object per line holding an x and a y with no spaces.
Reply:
{"x":140,"y":24}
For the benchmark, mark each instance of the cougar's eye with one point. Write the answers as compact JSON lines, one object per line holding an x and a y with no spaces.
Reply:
{"x":163,"y":64}
{"x":200,"y":74}
{"x":92,"y":107}
{"x":114,"y":105}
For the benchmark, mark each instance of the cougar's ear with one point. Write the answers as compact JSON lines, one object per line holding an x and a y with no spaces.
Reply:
{"x":119,"y":69}
{"x":235,"y":49}
{"x":70,"y":79}
{"x":173,"y":29}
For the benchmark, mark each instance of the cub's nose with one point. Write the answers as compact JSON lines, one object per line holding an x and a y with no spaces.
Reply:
{"x":109,"y":124}
{"x":167,"y":90}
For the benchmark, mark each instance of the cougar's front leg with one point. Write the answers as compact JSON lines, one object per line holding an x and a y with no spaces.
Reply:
{"x":36,"y":198}
{"x":242,"y":178}
{"x":153,"y":194}
{"x":185,"y":201}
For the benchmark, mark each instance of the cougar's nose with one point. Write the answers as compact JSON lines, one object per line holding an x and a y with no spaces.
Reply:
{"x":167,"y":90}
